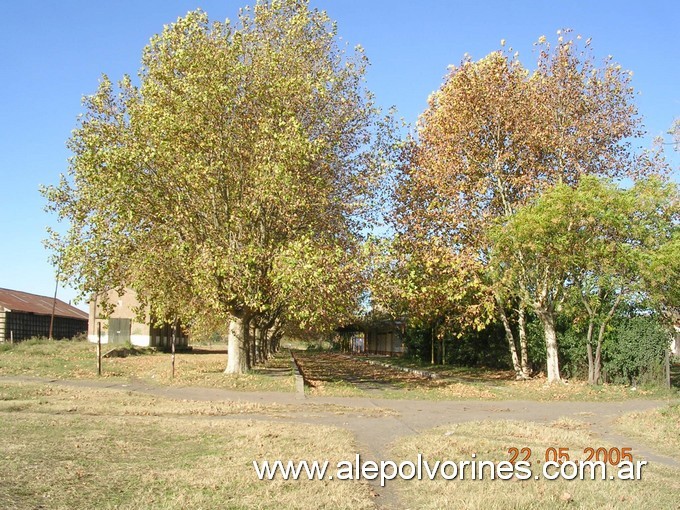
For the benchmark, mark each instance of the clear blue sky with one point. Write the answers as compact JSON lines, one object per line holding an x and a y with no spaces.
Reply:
{"x":54,"y":52}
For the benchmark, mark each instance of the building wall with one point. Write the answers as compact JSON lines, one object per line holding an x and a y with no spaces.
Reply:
{"x":19,"y":326}
{"x":384,"y":342}
{"x":141,"y":333}
{"x":123,"y":307}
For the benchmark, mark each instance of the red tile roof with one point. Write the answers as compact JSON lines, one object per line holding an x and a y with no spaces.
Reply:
{"x":15,"y":300}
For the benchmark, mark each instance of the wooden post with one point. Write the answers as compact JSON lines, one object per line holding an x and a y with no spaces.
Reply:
{"x":11,"y":336}
{"x":668,"y":368}
{"x":174,"y":333}
{"x":99,"y":348}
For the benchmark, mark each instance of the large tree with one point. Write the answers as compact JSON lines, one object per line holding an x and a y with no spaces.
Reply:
{"x":212,"y":186}
{"x":495,"y":135}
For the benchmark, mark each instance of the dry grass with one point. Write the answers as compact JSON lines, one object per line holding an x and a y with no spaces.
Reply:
{"x":330,"y":374}
{"x":70,"y":449}
{"x":333,"y":374}
{"x":658,"y":488}
{"x":201,"y":367}
{"x":660,"y":428}
{"x":51,"y":398}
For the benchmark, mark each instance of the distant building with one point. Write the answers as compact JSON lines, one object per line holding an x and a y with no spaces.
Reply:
{"x":122,"y":326}
{"x":24,"y":315}
{"x":374,"y":336}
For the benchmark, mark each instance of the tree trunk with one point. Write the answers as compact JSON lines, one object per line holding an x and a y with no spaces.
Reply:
{"x":237,"y":362}
{"x":589,"y":350}
{"x":254,"y":356}
{"x":591,"y":364}
{"x":264,"y":347}
{"x":552,"y":359}
{"x":600,"y":337}
{"x":524,"y":354}
{"x":275,"y":339}
{"x":598,"y":353}
{"x":511,"y":340}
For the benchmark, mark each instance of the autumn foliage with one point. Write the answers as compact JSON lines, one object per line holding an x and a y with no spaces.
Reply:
{"x":234,"y":180}
{"x":493,"y":137}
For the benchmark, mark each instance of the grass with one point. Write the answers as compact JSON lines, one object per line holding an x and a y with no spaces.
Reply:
{"x":201,"y":367}
{"x":333,"y":374}
{"x":330,"y":374}
{"x":489,"y":440}
{"x":659,"y":428}
{"x":49,"y":399}
{"x":65,"y":448}
{"x":55,"y":398}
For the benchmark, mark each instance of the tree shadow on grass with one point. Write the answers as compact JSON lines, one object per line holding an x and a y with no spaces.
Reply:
{"x":206,"y":350}
{"x":323,"y":368}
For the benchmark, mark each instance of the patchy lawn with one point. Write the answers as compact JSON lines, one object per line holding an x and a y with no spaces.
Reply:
{"x":330,"y":374}
{"x":66,"y":448}
{"x":200,"y":367}
{"x":338,"y":374}
{"x":660,"y":428}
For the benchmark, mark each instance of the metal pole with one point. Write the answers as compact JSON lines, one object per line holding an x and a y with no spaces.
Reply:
{"x":99,"y":348}
{"x":432,"y":353}
{"x":54,"y":305}
{"x":174,"y":331}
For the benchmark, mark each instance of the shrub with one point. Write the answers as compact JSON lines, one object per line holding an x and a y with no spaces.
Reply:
{"x":635,"y":351}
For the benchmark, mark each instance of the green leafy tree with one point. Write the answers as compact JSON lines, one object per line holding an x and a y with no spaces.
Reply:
{"x":593,"y":241}
{"x":433,"y":287}
{"x":212,"y":187}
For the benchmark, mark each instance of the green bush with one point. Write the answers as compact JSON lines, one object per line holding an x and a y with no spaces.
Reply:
{"x":486,"y":348}
{"x":635,"y":351}
{"x":573,"y":354}
{"x":535,"y":344}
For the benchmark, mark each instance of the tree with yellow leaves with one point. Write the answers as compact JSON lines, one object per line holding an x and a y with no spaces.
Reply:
{"x":230,"y":184}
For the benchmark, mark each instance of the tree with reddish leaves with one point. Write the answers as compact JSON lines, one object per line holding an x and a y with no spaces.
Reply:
{"x":494,"y":136}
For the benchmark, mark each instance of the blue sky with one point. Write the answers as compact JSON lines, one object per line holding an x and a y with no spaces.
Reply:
{"x":53,"y":53}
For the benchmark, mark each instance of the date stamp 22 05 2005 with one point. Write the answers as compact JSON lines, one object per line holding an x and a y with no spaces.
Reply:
{"x":592,"y":461}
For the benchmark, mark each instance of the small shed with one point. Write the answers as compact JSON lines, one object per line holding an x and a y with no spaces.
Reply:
{"x":24,"y":315}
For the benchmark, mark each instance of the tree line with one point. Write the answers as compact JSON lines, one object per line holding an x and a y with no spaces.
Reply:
{"x":236,"y":180}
